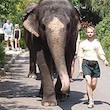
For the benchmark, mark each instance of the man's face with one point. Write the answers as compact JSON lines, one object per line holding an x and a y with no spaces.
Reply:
{"x":90,"y":32}
{"x":8,"y":21}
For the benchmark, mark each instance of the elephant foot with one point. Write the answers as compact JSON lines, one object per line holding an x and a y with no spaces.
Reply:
{"x":32,"y":75}
{"x":47,"y":102}
{"x":62,"y":97}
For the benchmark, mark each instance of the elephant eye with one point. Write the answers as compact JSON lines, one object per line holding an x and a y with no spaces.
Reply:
{"x":68,"y":26}
{"x":43,"y":27}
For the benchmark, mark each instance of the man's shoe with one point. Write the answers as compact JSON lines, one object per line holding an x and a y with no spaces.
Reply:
{"x":71,"y":80}
{"x":91,"y":104}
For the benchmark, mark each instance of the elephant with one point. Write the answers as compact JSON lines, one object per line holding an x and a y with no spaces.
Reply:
{"x":31,"y":42}
{"x":55,"y":24}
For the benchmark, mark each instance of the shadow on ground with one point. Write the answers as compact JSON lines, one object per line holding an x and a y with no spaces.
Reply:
{"x":75,"y":98}
{"x":12,"y":89}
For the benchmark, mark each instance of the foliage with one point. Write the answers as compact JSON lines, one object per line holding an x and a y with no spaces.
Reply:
{"x":82,"y":34}
{"x":102,"y":7}
{"x":75,"y":2}
{"x":106,"y":46}
{"x":103,"y":28}
{"x":8,"y":8}
{"x":14,"y":10}
{"x":22,"y":43}
{"x":2,"y":56}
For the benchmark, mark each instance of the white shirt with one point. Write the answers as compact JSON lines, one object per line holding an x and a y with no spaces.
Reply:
{"x":8,"y":28}
{"x":91,"y":50}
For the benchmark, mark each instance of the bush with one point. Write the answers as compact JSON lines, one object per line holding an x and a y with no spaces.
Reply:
{"x":103,"y":28}
{"x":22,"y":43}
{"x":103,"y":34}
{"x":2,"y":56}
{"x":82,"y":34}
{"x":106,"y":46}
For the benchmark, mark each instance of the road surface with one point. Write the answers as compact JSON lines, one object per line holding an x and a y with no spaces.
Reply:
{"x":18,"y":92}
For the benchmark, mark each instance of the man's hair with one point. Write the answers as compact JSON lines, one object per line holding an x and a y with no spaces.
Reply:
{"x":91,"y":27}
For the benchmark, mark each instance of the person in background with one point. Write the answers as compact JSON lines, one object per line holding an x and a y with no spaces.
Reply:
{"x":73,"y":62}
{"x":8,"y":34}
{"x":89,"y":51}
{"x":17,"y":36}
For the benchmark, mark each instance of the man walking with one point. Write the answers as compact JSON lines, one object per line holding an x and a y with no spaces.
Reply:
{"x":8,"y":33}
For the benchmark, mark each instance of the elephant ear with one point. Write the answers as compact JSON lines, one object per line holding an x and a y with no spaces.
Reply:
{"x":31,"y":23}
{"x":78,"y":18}
{"x":78,"y":26}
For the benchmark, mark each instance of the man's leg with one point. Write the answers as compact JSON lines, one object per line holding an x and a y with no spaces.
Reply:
{"x":12,"y":46}
{"x":88,"y":86}
{"x":7,"y":45}
{"x":18,"y":41}
{"x":94,"y":83}
{"x":16,"y":44}
{"x":11,"y":42}
{"x":89,"y":90}
{"x":72,"y":70}
{"x":6,"y":42}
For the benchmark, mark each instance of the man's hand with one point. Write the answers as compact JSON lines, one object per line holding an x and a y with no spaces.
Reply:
{"x":80,"y":73}
{"x":106,"y":62}
{"x":75,"y":56}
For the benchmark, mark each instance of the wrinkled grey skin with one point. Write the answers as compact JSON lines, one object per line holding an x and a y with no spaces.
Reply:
{"x":31,"y":42}
{"x":56,"y":24}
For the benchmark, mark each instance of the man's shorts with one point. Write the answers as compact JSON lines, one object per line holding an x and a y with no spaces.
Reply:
{"x":90,"y":68}
{"x":8,"y":37}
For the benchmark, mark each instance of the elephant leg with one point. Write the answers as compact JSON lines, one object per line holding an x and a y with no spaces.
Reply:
{"x":32,"y":71}
{"x":40,"y":94}
{"x":47,"y":83}
{"x":69,"y":63}
{"x":69,"y":56}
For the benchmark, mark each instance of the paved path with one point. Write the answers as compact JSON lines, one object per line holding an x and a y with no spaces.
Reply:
{"x":18,"y":92}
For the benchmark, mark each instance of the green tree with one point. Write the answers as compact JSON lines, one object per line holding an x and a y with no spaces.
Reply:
{"x":13,"y":9}
{"x":2,"y":56}
{"x":106,"y":46}
{"x":8,"y":8}
{"x":75,"y":2}
{"x":102,"y":7}
{"x":103,"y":28}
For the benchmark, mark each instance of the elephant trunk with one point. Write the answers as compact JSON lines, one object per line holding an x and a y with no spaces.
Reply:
{"x":56,"y":40}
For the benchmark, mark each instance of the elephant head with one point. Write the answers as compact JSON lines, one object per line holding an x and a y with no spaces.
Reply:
{"x":56,"y":24}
